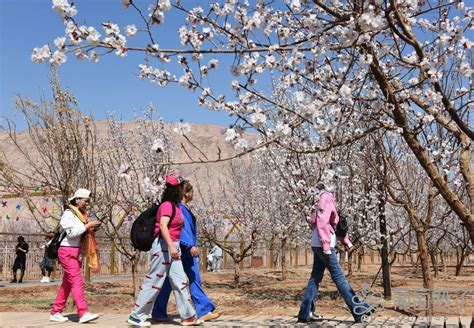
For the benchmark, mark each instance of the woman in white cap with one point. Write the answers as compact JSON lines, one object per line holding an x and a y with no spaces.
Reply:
{"x":75,"y":246}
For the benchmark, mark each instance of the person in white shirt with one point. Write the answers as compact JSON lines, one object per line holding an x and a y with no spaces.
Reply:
{"x":79,"y":241}
{"x":217,"y":255}
{"x":46,"y":264}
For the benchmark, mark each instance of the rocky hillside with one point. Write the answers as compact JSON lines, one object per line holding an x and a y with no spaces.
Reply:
{"x":208,"y":138}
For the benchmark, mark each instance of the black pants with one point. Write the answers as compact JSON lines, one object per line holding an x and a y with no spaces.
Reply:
{"x":19,"y":264}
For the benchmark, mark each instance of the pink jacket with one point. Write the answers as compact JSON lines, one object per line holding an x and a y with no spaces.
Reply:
{"x":325,"y":219}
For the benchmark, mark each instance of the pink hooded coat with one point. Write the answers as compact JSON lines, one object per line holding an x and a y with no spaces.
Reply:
{"x":325,"y":219}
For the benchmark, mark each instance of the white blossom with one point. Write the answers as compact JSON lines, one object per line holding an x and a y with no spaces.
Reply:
{"x":58,"y":58}
{"x":60,"y":43}
{"x":111,"y":28}
{"x":413,"y":81}
{"x":213,"y":64}
{"x":230,"y":134}
{"x":158,"y":146}
{"x":131,"y":30}
{"x":94,"y":57}
{"x":283,"y":128}
{"x":345,"y":91}
{"x":241,"y":144}
{"x":182,"y":128}
{"x":64,"y":8}
{"x":80,"y":54}
{"x":93,"y":36}
{"x":149,"y":188}
{"x":258,"y":118}
{"x":465,"y":69}
{"x":42,"y":54}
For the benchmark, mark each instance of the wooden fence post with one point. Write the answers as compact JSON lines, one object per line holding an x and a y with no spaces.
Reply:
{"x":297,"y":254}
{"x":112,"y":258}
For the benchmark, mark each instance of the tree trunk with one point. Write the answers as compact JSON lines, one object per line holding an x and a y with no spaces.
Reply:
{"x":417,"y":263}
{"x":443,"y":262}
{"x":425,"y":268}
{"x":271,"y":253}
{"x":360,"y":258}
{"x":283,"y":259}
{"x":460,"y":262}
{"x":237,"y":273}
{"x":434,"y":263}
{"x":112,"y":258}
{"x":387,"y":285}
{"x":349,"y":266}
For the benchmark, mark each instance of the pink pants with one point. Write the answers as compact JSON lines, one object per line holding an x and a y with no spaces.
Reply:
{"x":72,"y":281}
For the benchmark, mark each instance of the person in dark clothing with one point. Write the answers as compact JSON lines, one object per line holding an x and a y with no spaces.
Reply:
{"x":46,"y":264}
{"x":20,"y":261}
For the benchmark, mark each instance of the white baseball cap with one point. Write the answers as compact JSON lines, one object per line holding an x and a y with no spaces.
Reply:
{"x":81,"y":193}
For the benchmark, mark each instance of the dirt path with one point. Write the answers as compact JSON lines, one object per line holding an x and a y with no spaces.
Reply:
{"x":261,"y":293}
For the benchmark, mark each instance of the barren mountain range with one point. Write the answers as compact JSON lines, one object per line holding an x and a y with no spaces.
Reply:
{"x":207,"y":139}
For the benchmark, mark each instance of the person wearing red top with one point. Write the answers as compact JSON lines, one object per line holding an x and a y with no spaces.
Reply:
{"x":165,"y":260}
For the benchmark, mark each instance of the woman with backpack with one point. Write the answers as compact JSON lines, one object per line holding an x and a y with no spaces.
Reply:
{"x":205,"y":309}
{"x":78,"y":243}
{"x":323,"y":224}
{"x":165,"y":260}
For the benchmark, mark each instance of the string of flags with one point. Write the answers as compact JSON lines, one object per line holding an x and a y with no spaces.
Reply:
{"x":4,"y":204}
{"x":44,"y":205}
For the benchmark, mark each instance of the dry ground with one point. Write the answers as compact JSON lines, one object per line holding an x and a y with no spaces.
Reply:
{"x":262,"y":292}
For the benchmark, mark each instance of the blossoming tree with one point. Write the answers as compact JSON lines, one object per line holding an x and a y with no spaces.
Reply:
{"x":398,"y":64}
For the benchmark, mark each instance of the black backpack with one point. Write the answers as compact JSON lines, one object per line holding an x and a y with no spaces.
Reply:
{"x":53,"y":247}
{"x":142,"y":233}
{"x":342,"y":227}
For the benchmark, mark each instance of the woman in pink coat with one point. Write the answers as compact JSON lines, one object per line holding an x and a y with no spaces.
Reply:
{"x":323,"y":241}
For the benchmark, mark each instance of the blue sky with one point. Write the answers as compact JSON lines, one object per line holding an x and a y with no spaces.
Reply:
{"x":111,"y":85}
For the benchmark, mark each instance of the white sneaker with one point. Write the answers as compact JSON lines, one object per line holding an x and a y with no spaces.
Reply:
{"x":86,"y":317}
{"x":137,"y":322}
{"x":47,"y":279}
{"x":58,"y":317}
{"x":315,"y":317}
{"x":43,"y":279}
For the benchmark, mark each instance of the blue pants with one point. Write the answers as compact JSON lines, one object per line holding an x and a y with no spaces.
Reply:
{"x":202,"y":303}
{"x":320,"y":263}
